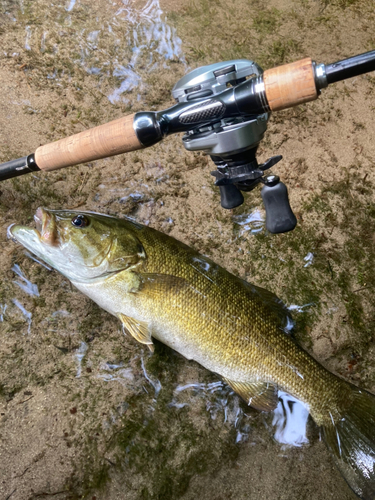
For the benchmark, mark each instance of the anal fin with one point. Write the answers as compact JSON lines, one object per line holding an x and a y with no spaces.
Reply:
{"x":138,"y":329}
{"x":259,"y":395}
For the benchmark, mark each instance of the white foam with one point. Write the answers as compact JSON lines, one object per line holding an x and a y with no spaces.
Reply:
{"x":155,"y":383}
{"x":25,"y":284}
{"x":253,"y":222}
{"x":26,"y":313}
{"x":79,"y":355}
{"x":290,"y":419}
{"x":28,"y":37}
{"x":309,"y":259}
{"x":3,"y":308}
{"x":299,"y":309}
{"x":71,"y":5}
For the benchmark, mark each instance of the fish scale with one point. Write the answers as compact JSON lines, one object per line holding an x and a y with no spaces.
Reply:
{"x":158,"y":287}
{"x":249,"y":340}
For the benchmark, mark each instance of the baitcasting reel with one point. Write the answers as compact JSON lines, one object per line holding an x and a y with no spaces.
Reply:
{"x":223,"y":109}
{"x":232,"y":142}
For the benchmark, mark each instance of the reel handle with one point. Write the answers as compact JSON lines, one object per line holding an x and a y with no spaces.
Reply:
{"x":279,"y":215}
{"x":230,"y":196}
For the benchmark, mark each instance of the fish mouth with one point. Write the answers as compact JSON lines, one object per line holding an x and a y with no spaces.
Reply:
{"x":45,"y":232}
{"x":38,"y":218}
{"x":46,"y":226}
{"x":10,"y":234}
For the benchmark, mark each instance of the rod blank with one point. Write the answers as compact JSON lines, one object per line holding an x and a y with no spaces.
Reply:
{"x":14,"y":168}
{"x":354,"y":66}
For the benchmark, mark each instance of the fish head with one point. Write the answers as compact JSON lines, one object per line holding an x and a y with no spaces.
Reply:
{"x":81,"y":245}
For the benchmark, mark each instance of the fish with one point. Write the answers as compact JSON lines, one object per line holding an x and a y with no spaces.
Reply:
{"x":159,"y":288}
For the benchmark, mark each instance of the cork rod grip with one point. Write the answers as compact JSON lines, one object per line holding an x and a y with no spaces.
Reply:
{"x":289,"y":85}
{"x":110,"y":139}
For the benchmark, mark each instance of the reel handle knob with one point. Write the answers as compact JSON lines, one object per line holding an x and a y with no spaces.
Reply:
{"x":231,"y":196}
{"x":279,"y":215}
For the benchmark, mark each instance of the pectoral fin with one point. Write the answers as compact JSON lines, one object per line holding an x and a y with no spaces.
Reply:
{"x":138,"y":329}
{"x":259,"y":395}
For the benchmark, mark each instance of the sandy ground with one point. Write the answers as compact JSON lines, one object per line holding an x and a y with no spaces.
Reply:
{"x":78,"y":416}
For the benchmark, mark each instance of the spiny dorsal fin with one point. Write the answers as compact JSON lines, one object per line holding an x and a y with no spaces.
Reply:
{"x":259,"y":395}
{"x":138,"y":329}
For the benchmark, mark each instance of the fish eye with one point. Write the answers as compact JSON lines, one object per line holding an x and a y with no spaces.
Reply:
{"x":80,"y":221}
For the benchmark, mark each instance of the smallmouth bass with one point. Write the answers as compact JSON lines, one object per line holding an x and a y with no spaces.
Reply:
{"x":159,"y":287}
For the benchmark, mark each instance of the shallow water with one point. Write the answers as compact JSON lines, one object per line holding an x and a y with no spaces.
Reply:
{"x":106,"y":419}
{"x":119,"y":42}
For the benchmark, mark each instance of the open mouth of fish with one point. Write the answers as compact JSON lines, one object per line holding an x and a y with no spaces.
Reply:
{"x":45,"y":231}
{"x":46,"y":226}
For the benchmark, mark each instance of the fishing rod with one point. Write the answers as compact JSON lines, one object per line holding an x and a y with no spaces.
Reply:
{"x":223,"y":109}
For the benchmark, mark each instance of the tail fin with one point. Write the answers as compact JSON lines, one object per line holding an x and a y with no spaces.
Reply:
{"x":351,"y":441}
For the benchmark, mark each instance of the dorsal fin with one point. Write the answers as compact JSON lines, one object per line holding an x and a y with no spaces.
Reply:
{"x":259,"y":395}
